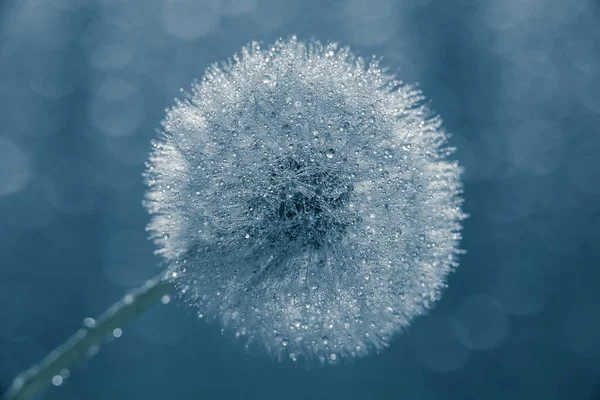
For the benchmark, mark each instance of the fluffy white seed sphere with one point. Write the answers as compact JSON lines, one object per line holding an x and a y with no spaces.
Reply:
{"x":300,"y":196}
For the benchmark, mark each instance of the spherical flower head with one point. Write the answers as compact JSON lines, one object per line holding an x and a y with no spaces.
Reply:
{"x":301,"y":197}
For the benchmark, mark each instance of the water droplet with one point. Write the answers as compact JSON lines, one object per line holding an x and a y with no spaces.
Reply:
{"x":89,"y":322}
{"x":330,"y":153}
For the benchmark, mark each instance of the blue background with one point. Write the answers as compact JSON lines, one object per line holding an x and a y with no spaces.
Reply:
{"x":84,"y":84}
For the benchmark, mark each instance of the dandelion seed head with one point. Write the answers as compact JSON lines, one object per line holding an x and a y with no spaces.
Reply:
{"x":301,"y":197}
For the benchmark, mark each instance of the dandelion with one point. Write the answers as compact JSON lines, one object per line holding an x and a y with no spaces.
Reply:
{"x":300,"y":196}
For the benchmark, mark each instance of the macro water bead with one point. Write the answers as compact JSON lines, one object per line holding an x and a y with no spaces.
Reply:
{"x":301,"y":198}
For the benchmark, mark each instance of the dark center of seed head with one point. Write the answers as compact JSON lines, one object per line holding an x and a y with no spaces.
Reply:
{"x":312,"y":200}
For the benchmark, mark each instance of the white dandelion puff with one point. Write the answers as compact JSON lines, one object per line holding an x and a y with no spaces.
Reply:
{"x":300,"y":196}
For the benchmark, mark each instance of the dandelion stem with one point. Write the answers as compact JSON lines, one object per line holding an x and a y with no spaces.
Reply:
{"x":86,"y":341}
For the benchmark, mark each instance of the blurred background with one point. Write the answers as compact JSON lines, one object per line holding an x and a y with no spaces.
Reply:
{"x":83,"y":87}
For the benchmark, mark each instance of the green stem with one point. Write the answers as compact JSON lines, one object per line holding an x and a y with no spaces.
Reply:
{"x":86,"y":341}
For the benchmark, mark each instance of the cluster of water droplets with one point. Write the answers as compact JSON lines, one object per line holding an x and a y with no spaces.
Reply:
{"x":301,"y":198}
